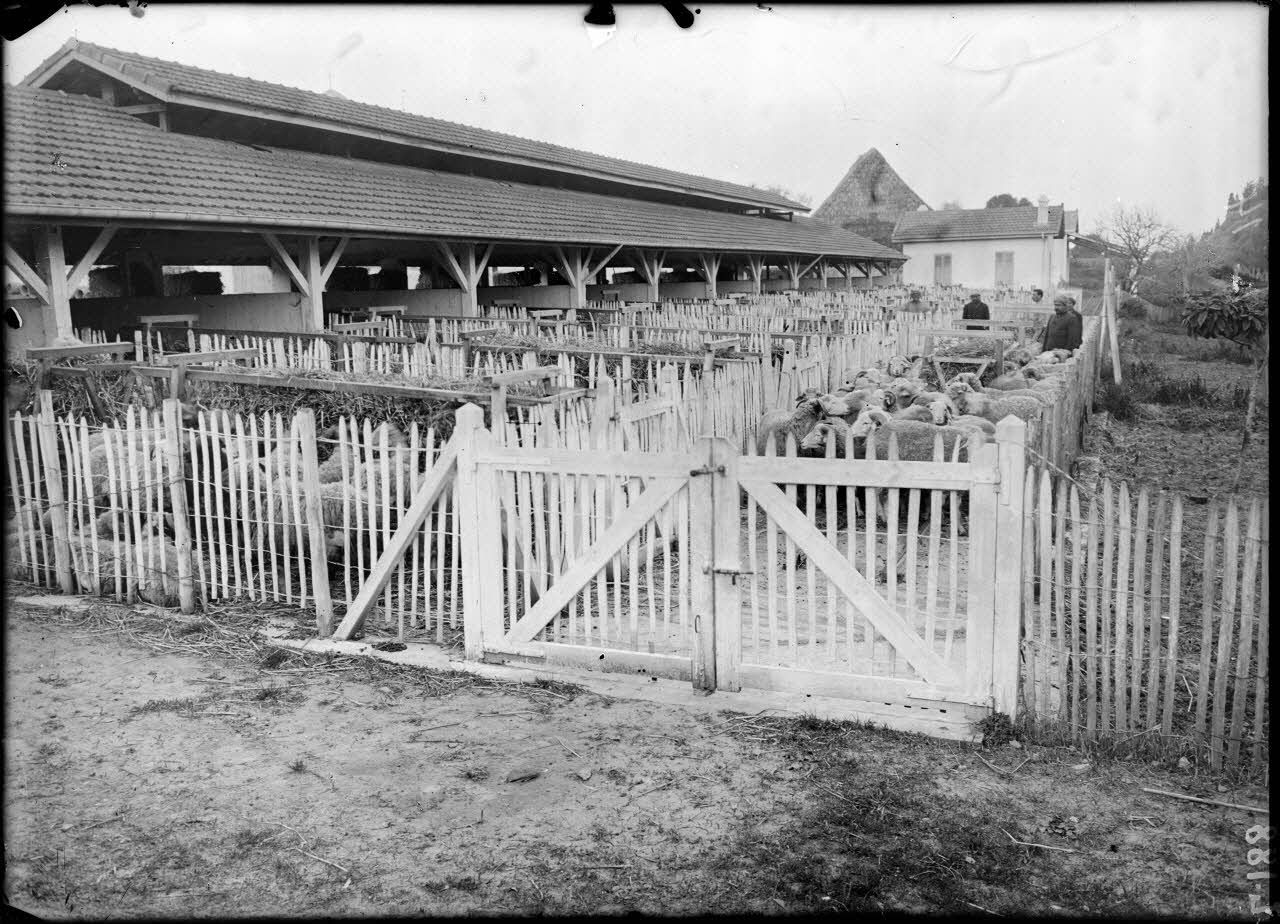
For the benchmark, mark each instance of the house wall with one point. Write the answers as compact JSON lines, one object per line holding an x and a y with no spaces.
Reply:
{"x":973,"y":263}
{"x":418,"y":303}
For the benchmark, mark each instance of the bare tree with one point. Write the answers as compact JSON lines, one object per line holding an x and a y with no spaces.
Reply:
{"x":1139,"y":233}
{"x":951,"y":204}
{"x":803,"y":198}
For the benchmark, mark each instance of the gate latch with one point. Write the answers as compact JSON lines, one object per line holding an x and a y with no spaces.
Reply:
{"x":732,"y":572}
{"x":707,"y":470}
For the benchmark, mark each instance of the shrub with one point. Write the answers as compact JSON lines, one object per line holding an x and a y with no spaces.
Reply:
{"x":1117,"y":399}
{"x":1132,"y":308}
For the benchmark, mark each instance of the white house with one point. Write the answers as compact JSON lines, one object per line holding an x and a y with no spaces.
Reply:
{"x":1020,"y":247}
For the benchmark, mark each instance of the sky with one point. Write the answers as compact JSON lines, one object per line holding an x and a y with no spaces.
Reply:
{"x":1160,"y":105}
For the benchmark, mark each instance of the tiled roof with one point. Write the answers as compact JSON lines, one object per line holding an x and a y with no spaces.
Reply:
{"x":975,"y":224}
{"x":180,"y":83}
{"x":75,"y":156}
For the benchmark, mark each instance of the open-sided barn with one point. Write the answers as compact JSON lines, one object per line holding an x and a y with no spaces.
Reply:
{"x":115,"y":159}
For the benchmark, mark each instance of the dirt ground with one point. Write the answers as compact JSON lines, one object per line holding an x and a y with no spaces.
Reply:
{"x":183,"y":768}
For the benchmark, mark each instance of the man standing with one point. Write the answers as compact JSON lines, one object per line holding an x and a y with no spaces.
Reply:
{"x":1037,"y":295}
{"x":976,"y":310}
{"x":1065,"y":329}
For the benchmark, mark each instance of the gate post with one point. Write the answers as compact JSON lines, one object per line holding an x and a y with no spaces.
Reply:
{"x":726,"y":565}
{"x":1011,"y":442}
{"x":701,"y":560}
{"x":478,"y":535}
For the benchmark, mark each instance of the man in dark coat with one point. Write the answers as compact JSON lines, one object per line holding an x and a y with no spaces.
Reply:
{"x":976,"y":310}
{"x":1065,"y":329}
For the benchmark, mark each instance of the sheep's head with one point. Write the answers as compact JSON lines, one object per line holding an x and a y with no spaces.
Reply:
{"x":956,"y":388}
{"x":942,"y":411}
{"x":898,"y":365}
{"x":1061,"y":355}
{"x":1046,"y":357}
{"x":884,"y":398}
{"x":868,"y":422}
{"x":816,"y":439}
{"x":969,"y":378}
{"x":905,"y":389}
{"x":838,"y":405}
{"x":808,"y":395}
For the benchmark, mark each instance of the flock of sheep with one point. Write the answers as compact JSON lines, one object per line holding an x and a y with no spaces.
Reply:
{"x":896,"y":399}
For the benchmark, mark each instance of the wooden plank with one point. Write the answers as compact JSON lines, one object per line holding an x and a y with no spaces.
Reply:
{"x":1244,"y":653}
{"x":211,"y":356}
{"x":1139,"y":596}
{"x":1155,"y":612}
{"x":1209,"y":581}
{"x":1091,"y":620}
{"x":86,"y":349}
{"x":944,"y":476}
{"x":726,"y":557}
{"x":85,"y":264}
{"x":1226,"y":629}
{"x":178,"y":501}
{"x":306,"y":420}
{"x":852,"y":584}
{"x":26,"y":273}
{"x":1110,"y":588}
{"x":286,"y":261}
{"x":53,"y":485}
{"x":1261,"y":689}
{"x":1175,"y":612}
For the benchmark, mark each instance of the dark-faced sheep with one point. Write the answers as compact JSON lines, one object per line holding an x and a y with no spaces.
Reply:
{"x":848,"y":405}
{"x":776,"y":425}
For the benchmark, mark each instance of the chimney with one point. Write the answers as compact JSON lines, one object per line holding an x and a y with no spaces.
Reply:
{"x":1042,"y":211}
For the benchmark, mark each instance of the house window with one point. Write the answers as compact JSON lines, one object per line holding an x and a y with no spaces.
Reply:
{"x":942,"y":269}
{"x":1004,"y":267}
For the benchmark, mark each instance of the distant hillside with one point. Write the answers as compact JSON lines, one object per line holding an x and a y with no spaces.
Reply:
{"x":869,"y":199}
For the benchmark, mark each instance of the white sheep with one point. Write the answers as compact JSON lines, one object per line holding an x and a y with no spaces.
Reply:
{"x":848,"y":405}
{"x":938,"y":410}
{"x":992,"y":408}
{"x":915,"y":440}
{"x":971,"y":378}
{"x":974,"y":422}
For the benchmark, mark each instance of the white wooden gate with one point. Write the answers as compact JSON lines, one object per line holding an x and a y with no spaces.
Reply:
{"x":721,"y":569}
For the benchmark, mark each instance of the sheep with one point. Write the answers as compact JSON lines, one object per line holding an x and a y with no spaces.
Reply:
{"x":937,"y":411}
{"x":971,"y":378}
{"x":864,"y":378}
{"x":905,"y":390}
{"x":995,"y":409}
{"x":1009,"y":381}
{"x":775,"y":425}
{"x":849,"y":405}
{"x":1042,"y":396}
{"x":815,"y":441}
{"x":974,"y":422}
{"x":915,"y":440}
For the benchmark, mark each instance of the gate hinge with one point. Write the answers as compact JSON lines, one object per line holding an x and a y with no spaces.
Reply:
{"x":707,"y":470}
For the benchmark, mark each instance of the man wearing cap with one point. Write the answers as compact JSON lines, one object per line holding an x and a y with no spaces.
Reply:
{"x":976,"y":310}
{"x":1065,"y":329}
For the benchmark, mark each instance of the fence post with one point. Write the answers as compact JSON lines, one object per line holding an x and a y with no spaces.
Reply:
{"x":479,"y":537}
{"x":314,"y":511}
{"x":57,"y":501}
{"x":178,"y":500}
{"x":1011,"y":440}
{"x":726,"y":559}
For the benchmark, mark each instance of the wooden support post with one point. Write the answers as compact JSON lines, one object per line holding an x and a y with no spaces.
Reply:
{"x":314,"y":512}
{"x":52,"y":262}
{"x":1011,"y":442}
{"x":481,"y":537}
{"x":315,"y":283}
{"x":178,"y":500}
{"x":755,"y":264}
{"x":710,"y":265}
{"x":53,"y":488}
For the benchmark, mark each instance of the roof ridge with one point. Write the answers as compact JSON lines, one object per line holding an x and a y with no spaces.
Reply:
{"x":555,"y":147}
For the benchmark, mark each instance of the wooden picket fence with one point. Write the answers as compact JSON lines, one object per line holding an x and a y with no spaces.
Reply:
{"x":1145,"y":620}
{"x":236,"y":506}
